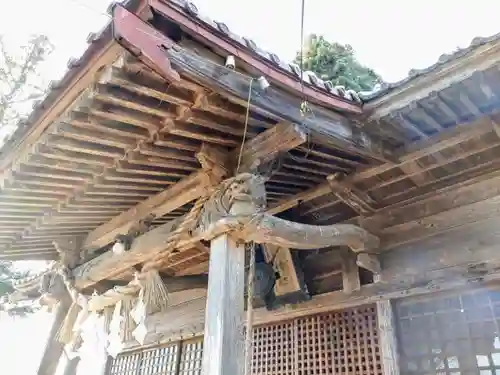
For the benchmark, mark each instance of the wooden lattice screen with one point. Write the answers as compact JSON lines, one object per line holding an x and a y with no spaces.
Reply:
{"x":341,"y":342}
{"x":450,"y":334}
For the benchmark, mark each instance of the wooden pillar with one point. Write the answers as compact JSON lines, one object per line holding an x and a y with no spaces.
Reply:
{"x":223,"y":352}
{"x":387,"y":338}
{"x":53,"y":348}
{"x":71,"y":366}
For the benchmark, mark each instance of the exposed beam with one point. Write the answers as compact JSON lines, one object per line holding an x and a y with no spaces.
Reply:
{"x":476,"y":200}
{"x":359,"y":201}
{"x":464,"y":260}
{"x":250,"y":224}
{"x":266,"y":146}
{"x":413,"y":152}
{"x":186,"y":190}
{"x":177,"y":195}
{"x":110,"y":265}
{"x":214,"y":166}
{"x":203,"y":31}
{"x":277,"y":104}
{"x":273,"y":102}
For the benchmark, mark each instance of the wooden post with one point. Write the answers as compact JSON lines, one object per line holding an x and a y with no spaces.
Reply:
{"x":223,"y":352}
{"x":387,"y":338}
{"x":71,"y":366}
{"x":53,"y":348}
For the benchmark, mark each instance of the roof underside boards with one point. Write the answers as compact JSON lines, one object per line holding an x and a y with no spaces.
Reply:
{"x":459,"y":88}
{"x":462,"y":102}
{"x":117,"y":147}
{"x":102,"y":50}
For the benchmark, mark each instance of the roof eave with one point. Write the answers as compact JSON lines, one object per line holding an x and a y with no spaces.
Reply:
{"x":435,"y":78}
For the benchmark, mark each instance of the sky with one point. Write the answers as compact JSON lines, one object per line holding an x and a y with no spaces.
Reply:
{"x":389,"y":36}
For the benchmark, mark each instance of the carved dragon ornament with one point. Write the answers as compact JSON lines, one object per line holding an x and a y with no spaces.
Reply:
{"x":238,"y":206}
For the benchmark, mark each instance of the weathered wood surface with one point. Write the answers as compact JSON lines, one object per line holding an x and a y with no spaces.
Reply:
{"x":280,"y":232}
{"x":168,"y":200}
{"x":185,"y":316}
{"x":275,"y":103}
{"x":175,"y":286}
{"x":245,"y":192}
{"x":446,"y":139}
{"x":467,"y":259}
{"x":387,"y":338}
{"x":54,"y":349}
{"x":350,"y":272}
{"x":266,"y":146}
{"x":223,"y":346}
{"x":109,"y":265}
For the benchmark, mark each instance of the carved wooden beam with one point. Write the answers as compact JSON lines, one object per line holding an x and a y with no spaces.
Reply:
{"x":68,"y":249}
{"x":247,"y":192}
{"x":452,"y":263}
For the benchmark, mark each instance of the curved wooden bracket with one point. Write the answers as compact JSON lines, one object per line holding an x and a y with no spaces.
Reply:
{"x":237,"y":207}
{"x":274,"y":230}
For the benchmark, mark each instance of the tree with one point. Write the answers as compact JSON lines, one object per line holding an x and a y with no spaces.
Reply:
{"x":20,"y":81}
{"x":20,"y":85}
{"x":337,"y":63}
{"x":8,"y":274}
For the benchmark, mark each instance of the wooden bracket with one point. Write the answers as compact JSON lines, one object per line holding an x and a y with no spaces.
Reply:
{"x":289,"y":286}
{"x":359,"y":201}
{"x":266,"y":146}
{"x":350,"y":272}
{"x":69,"y":250}
{"x":370,"y":262}
{"x":214,"y":161}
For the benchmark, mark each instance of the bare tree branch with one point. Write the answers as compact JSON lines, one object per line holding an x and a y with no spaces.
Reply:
{"x":20,"y":84}
{"x":19,"y":79}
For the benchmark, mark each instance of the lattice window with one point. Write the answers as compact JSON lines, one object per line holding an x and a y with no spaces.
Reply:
{"x":343,"y":342}
{"x":450,"y":334}
{"x":157,"y":361}
{"x":191,"y":357}
{"x":274,"y":349}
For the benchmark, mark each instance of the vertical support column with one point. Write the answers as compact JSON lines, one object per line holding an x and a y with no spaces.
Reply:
{"x":71,"y":366}
{"x":387,"y":338}
{"x":53,"y":348}
{"x":223,"y":352}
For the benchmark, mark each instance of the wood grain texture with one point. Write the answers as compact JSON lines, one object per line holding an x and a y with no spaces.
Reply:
{"x":387,"y":338}
{"x":223,"y":352}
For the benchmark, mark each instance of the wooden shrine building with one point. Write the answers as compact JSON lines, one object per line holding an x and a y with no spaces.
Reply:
{"x":174,"y":158}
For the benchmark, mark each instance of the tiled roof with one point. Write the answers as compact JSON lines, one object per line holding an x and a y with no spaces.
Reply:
{"x":96,"y":42}
{"x":442,"y":60}
{"x":308,"y":77}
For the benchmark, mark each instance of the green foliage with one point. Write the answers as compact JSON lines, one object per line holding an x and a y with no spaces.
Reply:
{"x":337,"y":63}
